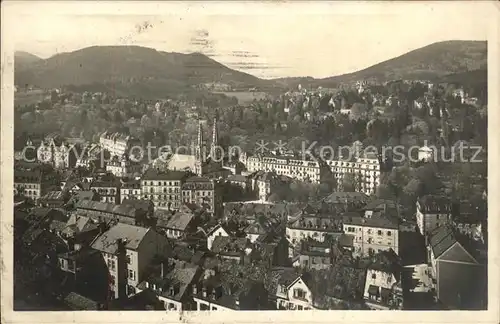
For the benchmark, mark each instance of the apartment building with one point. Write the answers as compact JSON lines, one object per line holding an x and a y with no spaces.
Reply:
{"x":372,"y":234}
{"x":128,"y":250}
{"x":432,"y":212}
{"x":108,"y":189}
{"x":201,"y":191}
{"x":117,"y":144}
{"x":365,"y":170}
{"x":163,"y":188}
{"x":294,"y":292}
{"x":130,"y":189}
{"x":123,"y":167}
{"x":30,"y":183}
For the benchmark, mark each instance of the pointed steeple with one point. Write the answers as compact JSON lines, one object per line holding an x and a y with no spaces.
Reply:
{"x":199,"y":144}
{"x":215,"y":142}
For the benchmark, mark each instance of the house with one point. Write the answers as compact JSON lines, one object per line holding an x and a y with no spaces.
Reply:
{"x":201,"y":191}
{"x":128,"y":250}
{"x":315,"y":255}
{"x":144,"y":209}
{"x":293,"y":291}
{"x":107,"y":211}
{"x":233,"y":249}
{"x":432,"y":212}
{"x":215,"y":232}
{"x":254,"y":231}
{"x":53,"y":199}
{"x":172,"y":280}
{"x":313,"y":225}
{"x":123,"y":167}
{"x":383,"y":282}
{"x":77,"y":224}
{"x":86,"y":272}
{"x":458,"y":274}
{"x":108,"y":189}
{"x":163,"y":188}
{"x":179,"y":224}
{"x":30,"y":183}
{"x":117,"y":144}
{"x":130,"y":189}
{"x":212,"y":293}
{"x":372,"y":234}
{"x":84,"y":195}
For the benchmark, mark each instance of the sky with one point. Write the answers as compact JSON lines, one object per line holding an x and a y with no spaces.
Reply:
{"x":266,"y":40}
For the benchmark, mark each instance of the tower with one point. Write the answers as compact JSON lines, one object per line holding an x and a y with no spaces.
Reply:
{"x":214,"y":149}
{"x":199,"y":151}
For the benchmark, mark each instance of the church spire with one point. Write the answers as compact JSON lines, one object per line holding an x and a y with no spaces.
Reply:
{"x":215,"y":142}
{"x":199,"y":147}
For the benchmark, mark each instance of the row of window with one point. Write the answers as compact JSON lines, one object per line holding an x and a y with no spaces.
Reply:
{"x":161,"y":183}
{"x":170,"y":190}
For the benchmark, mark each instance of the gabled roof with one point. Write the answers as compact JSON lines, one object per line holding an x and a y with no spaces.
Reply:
{"x":178,"y":221}
{"x":442,"y":239}
{"x":132,"y":234}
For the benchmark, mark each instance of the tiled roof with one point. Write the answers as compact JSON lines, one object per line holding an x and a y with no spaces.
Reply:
{"x":107,"y":241}
{"x":178,"y":221}
{"x":140,"y":204}
{"x":178,"y":276}
{"x":229,"y":245}
{"x":153,"y":174}
{"x":53,"y":195}
{"x":441,"y":239}
{"x":435,"y":204}
{"x":374,"y":221}
{"x":122,"y":210}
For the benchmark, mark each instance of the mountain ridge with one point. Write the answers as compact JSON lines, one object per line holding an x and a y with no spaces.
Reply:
{"x":142,"y":67}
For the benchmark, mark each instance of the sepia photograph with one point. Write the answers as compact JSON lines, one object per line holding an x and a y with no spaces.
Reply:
{"x":183,"y":157}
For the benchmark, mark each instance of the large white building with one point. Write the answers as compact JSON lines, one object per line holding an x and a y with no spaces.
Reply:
{"x":366,"y":170}
{"x":303,"y":170}
{"x":117,"y":144}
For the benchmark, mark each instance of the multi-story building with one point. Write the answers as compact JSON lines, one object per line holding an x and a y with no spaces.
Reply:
{"x":458,"y":274}
{"x":264,"y":183}
{"x":202,"y":191}
{"x":366,"y":170}
{"x":372,"y":234}
{"x":163,"y":188}
{"x":108,"y":189}
{"x":123,"y":167}
{"x":171,"y":281}
{"x":128,"y":250}
{"x":383,"y":282}
{"x":303,"y":170}
{"x":432,"y":212}
{"x":313,"y":225}
{"x":294,"y":292}
{"x":30,"y":183}
{"x":130,"y":189}
{"x":117,"y":144}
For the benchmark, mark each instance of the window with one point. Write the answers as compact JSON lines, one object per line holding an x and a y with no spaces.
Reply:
{"x":379,"y":232}
{"x":299,"y":293}
{"x":374,"y":276}
{"x":389,"y":233}
{"x":128,"y":259}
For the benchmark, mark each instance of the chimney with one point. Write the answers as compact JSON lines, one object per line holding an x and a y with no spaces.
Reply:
{"x":204,"y":292}
{"x":195,"y":289}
